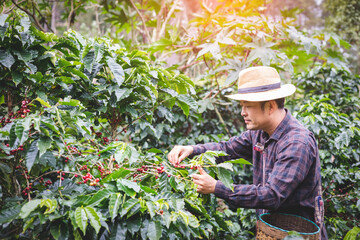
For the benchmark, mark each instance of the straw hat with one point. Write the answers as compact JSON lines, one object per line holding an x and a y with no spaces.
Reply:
{"x":261,"y":83}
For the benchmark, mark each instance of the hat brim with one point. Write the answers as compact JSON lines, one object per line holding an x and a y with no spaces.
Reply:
{"x":283,"y":91}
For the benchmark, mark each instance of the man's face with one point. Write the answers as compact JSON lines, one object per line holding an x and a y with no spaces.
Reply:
{"x":255,"y":117}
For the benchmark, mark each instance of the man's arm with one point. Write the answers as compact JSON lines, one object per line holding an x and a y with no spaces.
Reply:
{"x":236,"y":147}
{"x":290,"y":169}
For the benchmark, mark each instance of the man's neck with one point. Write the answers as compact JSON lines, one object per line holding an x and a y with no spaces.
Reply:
{"x":279,"y":115}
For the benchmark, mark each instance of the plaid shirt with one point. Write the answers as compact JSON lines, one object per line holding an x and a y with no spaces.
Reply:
{"x":286,"y":173}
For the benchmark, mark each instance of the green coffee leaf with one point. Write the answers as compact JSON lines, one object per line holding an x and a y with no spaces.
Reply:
{"x":239,"y":161}
{"x":114,"y":204}
{"x":99,"y":196}
{"x":29,"y":207}
{"x":154,"y":230}
{"x":6,"y":59}
{"x":129,"y":204}
{"x":129,"y":187}
{"x":224,"y":176}
{"x":32,"y":154}
{"x":117,"y":70}
{"x":81,"y":219}
{"x":51,"y":205}
{"x":93,"y":216}
{"x":120,"y":173}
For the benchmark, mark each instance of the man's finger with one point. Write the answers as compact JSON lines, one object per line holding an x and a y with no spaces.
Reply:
{"x":201,"y":171}
{"x":195,"y":176}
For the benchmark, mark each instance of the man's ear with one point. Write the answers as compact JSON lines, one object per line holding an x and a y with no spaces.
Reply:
{"x":272,"y":106}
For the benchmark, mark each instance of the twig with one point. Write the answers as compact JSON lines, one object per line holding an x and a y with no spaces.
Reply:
{"x":158,"y":23}
{"x":222,"y":120}
{"x":72,"y":11}
{"x":42,"y":16}
{"x":182,"y":68}
{"x":142,"y":20}
{"x":167,"y":18}
{"x":31,"y":15}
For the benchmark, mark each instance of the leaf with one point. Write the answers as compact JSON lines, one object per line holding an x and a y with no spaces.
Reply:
{"x":164,"y":112}
{"x":44,"y":144}
{"x":184,"y":107}
{"x":29,"y":207}
{"x":70,"y":102}
{"x":193,"y":221}
{"x":114,"y":205}
{"x":225,"y":177}
{"x":130,"y":203}
{"x":26,"y":23}
{"x":213,"y":48}
{"x":3,"y":18}
{"x":151,"y":208}
{"x":76,"y":72}
{"x":129,"y":187}
{"x":185,"y":217}
{"x":17,"y":77}
{"x":81,"y":219}
{"x":232,"y":77}
{"x":94,"y":218}
{"x":352,"y":234}
{"x":261,"y":50}
{"x":238,"y":161}
{"x":147,"y":189}
{"x":89,"y":60}
{"x":32,"y":154}
{"x":117,"y":70}
{"x":6,"y":59}
{"x":51,"y":205}
{"x":59,"y":120}
{"x":118,"y":231}
{"x":9,"y":214}
{"x":227,"y":166}
{"x":55,"y":230}
{"x":99,"y":196}
{"x":122,"y":93}
{"x":133,"y":224}
{"x":220,"y":220}
{"x":14,"y":141}
{"x":120,"y":173}
{"x":20,"y":132}
{"x":154,"y":230}
{"x":46,"y":104}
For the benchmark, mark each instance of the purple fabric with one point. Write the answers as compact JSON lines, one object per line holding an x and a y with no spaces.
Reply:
{"x":260,"y":88}
{"x":290,"y":163}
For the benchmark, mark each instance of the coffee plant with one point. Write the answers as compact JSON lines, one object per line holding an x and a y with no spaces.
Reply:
{"x":70,"y":108}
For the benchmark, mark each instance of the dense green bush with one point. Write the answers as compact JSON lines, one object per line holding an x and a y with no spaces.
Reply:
{"x":69,"y":111}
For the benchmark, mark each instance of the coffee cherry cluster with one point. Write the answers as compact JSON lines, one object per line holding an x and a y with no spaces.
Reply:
{"x":73,"y":150}
{"x":21,"y":113}
{"x":26,"y":191}
{"x":48,"y":182}
{"x":14,"y":151}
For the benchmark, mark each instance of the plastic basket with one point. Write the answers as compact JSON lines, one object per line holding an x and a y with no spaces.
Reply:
{"x":271,"y":226}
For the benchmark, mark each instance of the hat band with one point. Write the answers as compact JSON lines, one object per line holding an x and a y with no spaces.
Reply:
{"x":259,"y":88}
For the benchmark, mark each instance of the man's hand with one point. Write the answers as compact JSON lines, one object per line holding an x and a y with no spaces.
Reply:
{"x":179,"y":153}
{"x":205,"y":183}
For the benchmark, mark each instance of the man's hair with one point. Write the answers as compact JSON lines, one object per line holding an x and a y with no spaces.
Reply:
{"x":280,"y":103}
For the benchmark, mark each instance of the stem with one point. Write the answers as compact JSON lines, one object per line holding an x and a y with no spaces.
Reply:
{"x":30,"y":14}
{"x":222,"y":121}
{"x":167,"y":18}
{"x":142,"y":20}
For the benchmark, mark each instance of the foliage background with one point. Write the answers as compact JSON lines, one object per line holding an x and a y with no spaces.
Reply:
{"x":132,"y":87}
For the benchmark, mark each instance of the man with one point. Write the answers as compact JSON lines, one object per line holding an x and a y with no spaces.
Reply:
{"x":286,"y":165}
